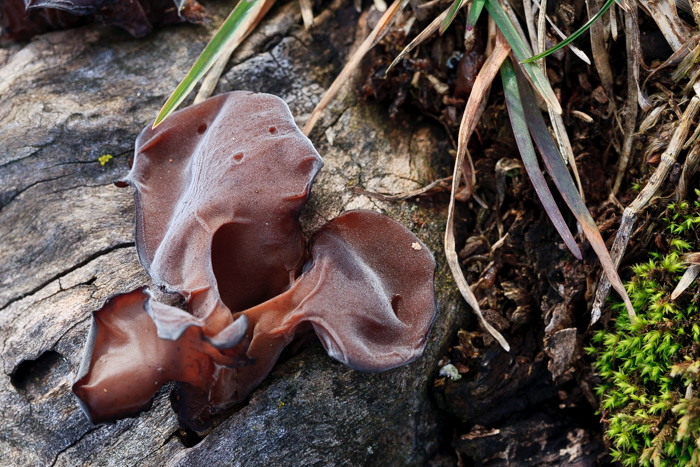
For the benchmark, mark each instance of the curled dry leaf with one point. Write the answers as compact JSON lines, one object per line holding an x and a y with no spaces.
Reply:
{"x":481,"y":85}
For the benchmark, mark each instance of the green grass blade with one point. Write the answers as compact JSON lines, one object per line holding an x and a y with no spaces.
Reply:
{"x":474,"y":13}
{"x":211,"y":52}
{"x":574,"y":36}
{"x":451,"y":13}
{"x":565,"y":184}
{"x":527,"y":152}
{"x":539,"y":80}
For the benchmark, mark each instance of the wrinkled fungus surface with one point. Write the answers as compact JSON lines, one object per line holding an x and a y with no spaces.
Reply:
{"x":219,"y":188}
{"x":22,"y":19}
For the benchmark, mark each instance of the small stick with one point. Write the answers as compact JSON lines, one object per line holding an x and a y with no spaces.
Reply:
{"x":632,"y":107}
{"x":689,"y":168}
{"x":629,"y":215}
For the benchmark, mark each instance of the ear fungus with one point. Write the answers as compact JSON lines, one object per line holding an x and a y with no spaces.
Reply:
{"x":367,"y":291}
{"x":218,"y":191}
{"x":22,"y":19}
{"x":218,"y":198}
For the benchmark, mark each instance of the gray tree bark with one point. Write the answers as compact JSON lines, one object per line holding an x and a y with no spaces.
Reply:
{"x":67,"y":244}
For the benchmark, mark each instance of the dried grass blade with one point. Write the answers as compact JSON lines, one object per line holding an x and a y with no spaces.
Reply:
{"x":690,"y":274}
{"x":560,"y":133}
{"x":578,"y":52}
{"x":666,"y":17}
{"x":382,"y":26}
{"x":601,"y":59}
{"x":307,"y":13}
{"x":573,"y":36}
{"x":212,"y":78}
{"x":522,"y":52}
{"x":427,"y":32}
{"x":527,"y":151}
{"x":481,"y":85}
{"x":692,"y":160}
{"x":565,"y":185}
{"x":235,"y":24}
{"x":631,"y":107}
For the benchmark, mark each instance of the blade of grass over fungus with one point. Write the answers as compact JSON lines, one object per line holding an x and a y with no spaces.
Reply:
{"x":427,"y":32}
{"x":451,"y":13}
{"x":481,"y":85}
{"x":236,"y":21}
{"x":474,"y":13}
{"x":382,"y":26}
{"x":214,"y":74}
{"x":527,"y":152}
{"x":573,"y":36}
{"x":565,"y":184}
{"x":521,"y":51}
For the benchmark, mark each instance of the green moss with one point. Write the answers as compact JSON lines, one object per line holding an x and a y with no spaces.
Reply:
{"x":648,"y":364}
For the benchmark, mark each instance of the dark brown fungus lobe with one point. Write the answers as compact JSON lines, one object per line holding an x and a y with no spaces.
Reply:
{"x":367,"y":291}
{"x":22,"y":19}
{"x":127,"y":360}
{"x":218,"y":199}
{"x":468,"y":68}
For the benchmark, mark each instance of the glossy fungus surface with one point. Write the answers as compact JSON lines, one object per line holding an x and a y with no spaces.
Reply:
{"x":22,"y":19}
{"x":218,"y":198}
{"x":126,"y":361}
{"x":367,"y":291}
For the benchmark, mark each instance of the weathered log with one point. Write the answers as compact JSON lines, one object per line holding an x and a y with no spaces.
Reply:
{"x":67,"y":244}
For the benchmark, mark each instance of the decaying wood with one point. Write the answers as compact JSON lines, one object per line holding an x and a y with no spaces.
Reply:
{"x":67,"y":245}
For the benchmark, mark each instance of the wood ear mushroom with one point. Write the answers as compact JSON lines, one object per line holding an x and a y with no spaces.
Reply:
{"x":219,"y":189}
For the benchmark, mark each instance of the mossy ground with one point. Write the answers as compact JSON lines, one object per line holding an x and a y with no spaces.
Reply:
{"x":649,"y":365}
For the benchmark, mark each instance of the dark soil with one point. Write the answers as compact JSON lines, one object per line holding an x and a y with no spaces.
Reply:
{"x":528,"y":405}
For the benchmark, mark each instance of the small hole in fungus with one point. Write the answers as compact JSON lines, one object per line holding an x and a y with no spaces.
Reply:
{"x":202,"y":128}
{"x":273,"y":130}
{"x":395,"y":301}
{"x":238,"y":157}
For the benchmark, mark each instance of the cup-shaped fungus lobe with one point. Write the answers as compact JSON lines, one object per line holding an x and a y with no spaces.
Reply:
{"x":219,"y":189}
{"x":126,"y":361}
{"x":367,"y":291}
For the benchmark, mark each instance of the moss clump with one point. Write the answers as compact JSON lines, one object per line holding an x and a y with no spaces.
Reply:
{"x":649,"y":366}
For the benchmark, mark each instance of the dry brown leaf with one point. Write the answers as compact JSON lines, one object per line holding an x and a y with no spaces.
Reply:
{"x":481,"y":85}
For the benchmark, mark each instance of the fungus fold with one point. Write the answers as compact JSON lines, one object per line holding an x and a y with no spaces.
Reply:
{"x":219,"y":188}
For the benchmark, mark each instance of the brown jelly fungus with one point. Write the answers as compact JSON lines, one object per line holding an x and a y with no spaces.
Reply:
{"x":218,"y":196}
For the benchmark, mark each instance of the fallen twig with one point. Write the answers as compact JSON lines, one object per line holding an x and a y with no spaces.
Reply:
{"x":629,"y":215}
{"x":631,"y":108}
{"x":438,"y":186}
{"x":382,"y":27}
